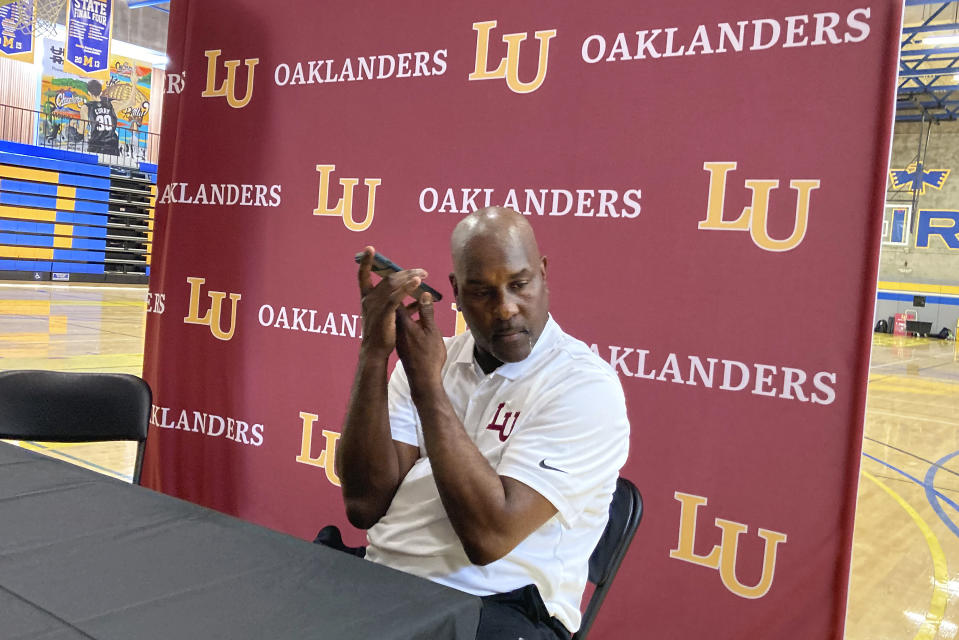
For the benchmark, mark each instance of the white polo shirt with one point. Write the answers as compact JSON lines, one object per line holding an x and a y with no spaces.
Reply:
{"x":555,"y":421}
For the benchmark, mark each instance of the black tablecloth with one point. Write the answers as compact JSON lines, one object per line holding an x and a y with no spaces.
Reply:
{"x":86,"y":556}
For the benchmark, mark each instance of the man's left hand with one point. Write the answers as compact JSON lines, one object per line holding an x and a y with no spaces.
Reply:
{"x":419,"y":343}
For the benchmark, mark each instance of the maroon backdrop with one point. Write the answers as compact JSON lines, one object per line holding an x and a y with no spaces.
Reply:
{"x":647,"y":145}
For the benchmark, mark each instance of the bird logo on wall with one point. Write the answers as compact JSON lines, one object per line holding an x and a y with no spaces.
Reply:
{"x":916,"y":179}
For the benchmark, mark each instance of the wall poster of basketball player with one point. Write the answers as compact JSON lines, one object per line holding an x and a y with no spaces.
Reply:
{"x":102,"y":129}
{"x":66,"y":122}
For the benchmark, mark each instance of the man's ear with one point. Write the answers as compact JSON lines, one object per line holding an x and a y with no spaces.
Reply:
{"x":542,"y":267}
{"x":456,"y":291}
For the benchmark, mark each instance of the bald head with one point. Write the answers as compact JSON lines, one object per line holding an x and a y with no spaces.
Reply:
{"x":499,"y":280}
{"x":492,"y":225}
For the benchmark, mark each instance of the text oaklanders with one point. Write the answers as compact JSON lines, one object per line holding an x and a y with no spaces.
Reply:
{"x":775,"y":381}
{"x":588,"y":203}
{"x":228,"y":195}
{"x":826,"y":28}
{"x":413,"y":64}
{"x":208,"y":425}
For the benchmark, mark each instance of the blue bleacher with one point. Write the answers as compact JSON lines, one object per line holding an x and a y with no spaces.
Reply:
{"x":76,"y":267}
{"x":35,"y":196}
{"x":21,"y":186}
{"x":47,"y":152}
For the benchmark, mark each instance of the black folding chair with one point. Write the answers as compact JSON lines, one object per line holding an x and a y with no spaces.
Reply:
{"x":56,"y":406}
{"x":625,"y":512}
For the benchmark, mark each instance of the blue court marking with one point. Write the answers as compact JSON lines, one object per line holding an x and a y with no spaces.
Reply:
{"x":908,"y":297}
{"x":932,"y":494}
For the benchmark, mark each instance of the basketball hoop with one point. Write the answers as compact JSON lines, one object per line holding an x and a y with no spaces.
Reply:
{"x":38,"y":17}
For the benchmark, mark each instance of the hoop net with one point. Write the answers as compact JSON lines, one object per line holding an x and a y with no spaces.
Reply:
{"x":37,"y":16}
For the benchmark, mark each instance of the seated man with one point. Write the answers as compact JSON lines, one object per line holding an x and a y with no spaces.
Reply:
{"x":487,"y":462}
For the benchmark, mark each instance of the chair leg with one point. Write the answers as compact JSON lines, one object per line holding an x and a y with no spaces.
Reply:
{"x":138,"y":465}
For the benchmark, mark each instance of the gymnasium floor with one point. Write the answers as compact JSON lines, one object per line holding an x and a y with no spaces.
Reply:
{"x":905,"y":578}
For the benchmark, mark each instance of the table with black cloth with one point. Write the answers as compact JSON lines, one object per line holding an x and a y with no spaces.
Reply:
{"x":86,"y":556}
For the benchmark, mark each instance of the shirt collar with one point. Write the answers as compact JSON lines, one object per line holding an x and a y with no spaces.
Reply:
{"x":513,"y":370}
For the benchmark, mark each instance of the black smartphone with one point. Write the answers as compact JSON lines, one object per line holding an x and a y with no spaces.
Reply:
{"x":383,"y":266}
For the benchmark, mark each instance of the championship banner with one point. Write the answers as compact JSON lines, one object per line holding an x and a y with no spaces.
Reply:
{"x":89,"y":29}
{"x":14,"y":43}
{"x":685,"y":173}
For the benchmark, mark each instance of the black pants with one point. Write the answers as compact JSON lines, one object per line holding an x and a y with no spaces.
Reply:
{"x":518,"y":615}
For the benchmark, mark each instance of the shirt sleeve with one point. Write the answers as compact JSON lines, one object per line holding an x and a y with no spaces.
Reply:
{"x":403,"y":417}
{"x":570,"y":449}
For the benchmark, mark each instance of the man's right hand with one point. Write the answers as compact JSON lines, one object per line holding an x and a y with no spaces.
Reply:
{"x":370,"y":464}
{"x":380,"y":303}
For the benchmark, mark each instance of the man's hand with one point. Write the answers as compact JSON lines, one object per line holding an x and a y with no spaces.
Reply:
{"x":420,"y":344}
{"x":370,"y":464}
{"x":381,"y":302}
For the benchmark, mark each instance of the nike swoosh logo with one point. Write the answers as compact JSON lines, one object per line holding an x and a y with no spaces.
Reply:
{"x":542,"y":464}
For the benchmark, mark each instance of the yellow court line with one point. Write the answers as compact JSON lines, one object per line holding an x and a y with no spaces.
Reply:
{"x":919,"y":381}
{"x":937,"y":607}
{"x":74,"y":285}
{"x":910,"y":417}
{"x":914,"y":384}
{"x":928,"y":405}
{"x":57,"y":324}
{"x":908,"y":286}
{"x":889,"y":388}
{"x":95,"y":303}
{"x":53,"y":451}
{"x":42,"y":307}
{"x":919,"y":288}
{"x":893,"y":388}
{"x":27,"y":444}
{"x":25,"y":307}
{"x":25,"y":337}
{"x":130,"y":361}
